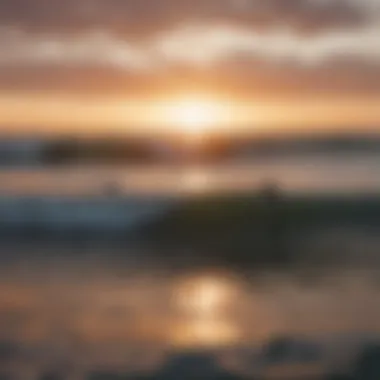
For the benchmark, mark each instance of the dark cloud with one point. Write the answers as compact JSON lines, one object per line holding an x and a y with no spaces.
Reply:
{"x":140,"y":17}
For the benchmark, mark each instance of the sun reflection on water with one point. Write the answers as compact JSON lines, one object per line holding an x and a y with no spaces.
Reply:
{"x":203,"y":305}
{"x":195,"y":181}
{"x":204,"y":333}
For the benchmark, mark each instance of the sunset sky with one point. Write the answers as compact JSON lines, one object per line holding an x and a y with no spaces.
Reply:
{"x":98,"y":65}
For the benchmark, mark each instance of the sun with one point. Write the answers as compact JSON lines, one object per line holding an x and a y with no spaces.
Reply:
{"x":196,"y":116}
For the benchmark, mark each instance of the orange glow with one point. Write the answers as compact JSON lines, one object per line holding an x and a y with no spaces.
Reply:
{"x":204,"y":333}
{"x":203,"y":303}
{"x":195,"y":181}
{"x":203,"y":296}
{"x":194,"y":116}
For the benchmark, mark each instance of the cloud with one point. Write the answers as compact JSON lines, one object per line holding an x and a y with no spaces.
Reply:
{"x":17,"y":47}
{"x":205,"y":44}
{"x":144,"y":17}
{"x":143,"y":43}
{"x":193,"y":45}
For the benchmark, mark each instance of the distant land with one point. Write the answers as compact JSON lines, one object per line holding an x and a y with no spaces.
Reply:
{"x":139,"y":150}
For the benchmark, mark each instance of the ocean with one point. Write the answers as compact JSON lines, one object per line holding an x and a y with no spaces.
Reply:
{"x":87,"y":306}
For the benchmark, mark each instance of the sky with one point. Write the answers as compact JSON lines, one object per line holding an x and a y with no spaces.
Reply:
{"x":96,"y":64}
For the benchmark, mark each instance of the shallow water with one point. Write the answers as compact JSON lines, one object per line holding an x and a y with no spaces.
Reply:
{"x":88,"y":308}
{"x":310,"y":173}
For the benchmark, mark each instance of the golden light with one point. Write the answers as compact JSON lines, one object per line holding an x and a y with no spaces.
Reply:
{"x":195,"y":181}
{"x":203,"y":303}
{"x":196,"y":116}
{"x":203,"y":297}
{"x":204,"y":333}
